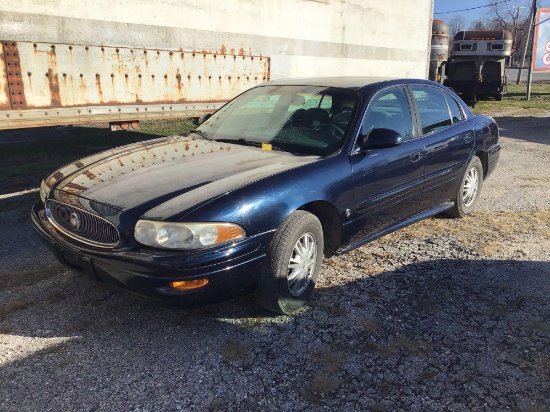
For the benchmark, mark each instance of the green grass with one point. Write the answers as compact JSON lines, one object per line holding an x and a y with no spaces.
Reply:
{"x":27,"y":155}
{"x":515,"y":98}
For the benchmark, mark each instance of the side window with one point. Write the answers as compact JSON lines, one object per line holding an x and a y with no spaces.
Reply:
{"x":432,"y":108}
{"x":454,"y":107}
{"x":389,"y":109}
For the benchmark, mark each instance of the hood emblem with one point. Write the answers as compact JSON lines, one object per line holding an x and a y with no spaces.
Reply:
{"x":75,"y":221}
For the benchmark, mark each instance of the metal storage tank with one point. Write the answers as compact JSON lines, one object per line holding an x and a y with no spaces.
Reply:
{"x":439,"y":49}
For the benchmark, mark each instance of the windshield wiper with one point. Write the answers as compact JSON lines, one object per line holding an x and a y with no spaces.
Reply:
{"x":253,"y":143}
{"x":200,"y":133}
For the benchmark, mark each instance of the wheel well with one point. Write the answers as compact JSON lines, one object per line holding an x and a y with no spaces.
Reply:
{"x":484,"y":157}
{"x":330,"y":221}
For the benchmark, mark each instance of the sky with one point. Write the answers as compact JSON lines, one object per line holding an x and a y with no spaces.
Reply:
{"x":450,"y":5}
{"x":477,"y":14}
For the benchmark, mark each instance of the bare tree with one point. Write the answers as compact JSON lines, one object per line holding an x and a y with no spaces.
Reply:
{"x":456,"y":24}
{"x":479,"y":25}
{"x":514,"y":17}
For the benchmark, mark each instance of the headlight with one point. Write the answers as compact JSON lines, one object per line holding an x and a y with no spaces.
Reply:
{"x":44,"y":190}
{"x":175,"y":235}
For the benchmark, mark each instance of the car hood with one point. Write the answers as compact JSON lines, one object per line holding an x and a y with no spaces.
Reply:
{"x":141,"y":178}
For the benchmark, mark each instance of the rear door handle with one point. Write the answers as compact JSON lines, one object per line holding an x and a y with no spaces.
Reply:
{"x":415,"y":156}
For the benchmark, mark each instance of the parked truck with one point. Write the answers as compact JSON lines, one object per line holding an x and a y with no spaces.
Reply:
{"x":97,"y":60}
{"x":475,"y":69}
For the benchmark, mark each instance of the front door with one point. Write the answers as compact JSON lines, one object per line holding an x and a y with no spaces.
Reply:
{"x":386,"y":181}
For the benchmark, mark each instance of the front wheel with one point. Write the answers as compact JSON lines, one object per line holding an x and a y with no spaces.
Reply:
{"x":293,"y":263}
{"x":468,"y":193}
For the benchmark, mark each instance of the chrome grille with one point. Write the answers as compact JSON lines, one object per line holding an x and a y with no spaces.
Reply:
{"x":82,"y":225}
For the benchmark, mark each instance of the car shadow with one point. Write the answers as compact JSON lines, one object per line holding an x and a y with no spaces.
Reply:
{"x":529,"y":129}
{"x":436,"y":332}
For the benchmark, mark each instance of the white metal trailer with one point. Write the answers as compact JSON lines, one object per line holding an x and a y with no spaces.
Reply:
{"x":65,"y":62}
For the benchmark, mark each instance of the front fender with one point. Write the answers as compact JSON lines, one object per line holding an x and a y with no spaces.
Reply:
{"x":264,"y":205}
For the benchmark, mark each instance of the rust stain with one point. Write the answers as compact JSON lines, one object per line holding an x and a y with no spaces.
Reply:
{"x":98,"y":87}
{"x":74,"y":186}
{"x":53,"y":80}
{"x":14,"y":85}
{"x":79,"y":164}
{"x":91,"y":176}
{"x":56,"y":178}
{"x":200,"y":86}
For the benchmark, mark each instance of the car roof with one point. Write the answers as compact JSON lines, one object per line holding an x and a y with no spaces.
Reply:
{"x":355,"y":83}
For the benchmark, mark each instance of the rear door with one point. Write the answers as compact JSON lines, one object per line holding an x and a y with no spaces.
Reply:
{"x":448,"y":142}
{"x":386,"y":181}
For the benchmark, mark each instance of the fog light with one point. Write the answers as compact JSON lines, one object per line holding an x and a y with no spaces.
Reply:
{"x":188,"y":284}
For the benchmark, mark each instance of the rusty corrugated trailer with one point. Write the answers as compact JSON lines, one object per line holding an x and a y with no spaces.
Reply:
{"x":49,"y":84}
{"x":96,"y":60}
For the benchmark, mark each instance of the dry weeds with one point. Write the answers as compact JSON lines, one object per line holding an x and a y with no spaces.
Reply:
{"x":483,"y":231}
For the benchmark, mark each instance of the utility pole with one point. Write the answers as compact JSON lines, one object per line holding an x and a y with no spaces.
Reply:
{"x":531,"y":62}
{"x":531,"y":25}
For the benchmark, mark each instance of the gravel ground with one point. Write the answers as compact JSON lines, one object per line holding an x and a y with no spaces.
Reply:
{"x":448,"y":315}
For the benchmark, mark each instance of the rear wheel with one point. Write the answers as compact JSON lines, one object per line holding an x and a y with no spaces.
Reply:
{"x":468,"y":193}
{"x":293,"y":264}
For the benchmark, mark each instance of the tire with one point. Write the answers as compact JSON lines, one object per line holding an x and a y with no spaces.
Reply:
{"x":468,"y":193}
{"x":284,"y":289}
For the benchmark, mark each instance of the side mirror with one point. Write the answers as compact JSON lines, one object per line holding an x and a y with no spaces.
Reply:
{"x":381,"y":139}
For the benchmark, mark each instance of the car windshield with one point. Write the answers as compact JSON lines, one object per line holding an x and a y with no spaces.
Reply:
{"x":303,"y":120}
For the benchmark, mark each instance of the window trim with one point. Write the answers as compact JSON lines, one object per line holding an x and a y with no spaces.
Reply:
{"x":404,"y":88}
{"x":417,"y":111}
{"x":463,"y":115}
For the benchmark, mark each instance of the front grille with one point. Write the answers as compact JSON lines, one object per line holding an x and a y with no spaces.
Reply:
{"x":82,"y":225}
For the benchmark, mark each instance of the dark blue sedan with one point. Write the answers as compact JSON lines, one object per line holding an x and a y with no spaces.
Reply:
{"x":282,"y":175}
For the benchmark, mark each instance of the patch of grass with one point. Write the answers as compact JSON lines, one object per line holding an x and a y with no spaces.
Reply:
{"x":324,"y":380}
{"x":329,"y":359}
{"x":425,"y":304}
{"x":370,"y":325}
{"x":380,"y":349}
{"x":535,"y":409}
{"x":62,"y":363}
{"x":168,"y":127}
{"x":27,"y":155}
{"x":402,"y":343}
{"x":25,"y":303}
{"x":483,"y":231}
{"x":538,"y":326}
{"x":234,"y":351}
{"x":58,"y":348}
{"x":12,"y":307}
{"x":27,"y":278}
{"x":82,"y":325}
{"x":515,"y":99}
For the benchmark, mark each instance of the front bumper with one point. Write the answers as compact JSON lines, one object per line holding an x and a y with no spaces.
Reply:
{"x":146,"y":272}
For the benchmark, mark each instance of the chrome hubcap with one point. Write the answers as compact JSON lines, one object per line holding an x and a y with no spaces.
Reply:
{"x":301,"y":264}
{"x":469,"y":191}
